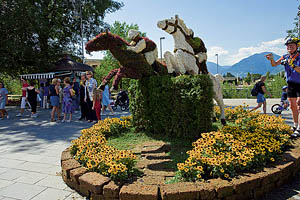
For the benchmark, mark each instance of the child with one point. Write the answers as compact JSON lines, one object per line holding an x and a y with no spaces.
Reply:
{"x":97,"y":97}
{"x":3,"y":101}
{"x":284,"y":99}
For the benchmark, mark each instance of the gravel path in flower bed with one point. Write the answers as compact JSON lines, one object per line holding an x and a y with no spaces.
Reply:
{"x":154,"y":162}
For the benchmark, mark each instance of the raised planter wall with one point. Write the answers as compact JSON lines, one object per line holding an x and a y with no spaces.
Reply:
{"x":248,"y":186}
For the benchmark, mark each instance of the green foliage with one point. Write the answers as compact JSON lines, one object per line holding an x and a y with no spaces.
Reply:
{"x":36,"y":33}
{"x":12,"y":85}
{"x":228,"y":74}
{"x":251,"y":78}
{"x":273,"y":85}
{"x":231,"y":91}
{"x":293,"y":32}
{"x":109,"y":62}
{"x":175,"y":106}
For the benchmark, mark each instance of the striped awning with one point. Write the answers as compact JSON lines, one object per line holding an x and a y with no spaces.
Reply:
{"x":38,"y":76}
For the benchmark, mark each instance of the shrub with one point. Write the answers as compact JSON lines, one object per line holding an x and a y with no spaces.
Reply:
{"x":176,"y":106}
{"x":91,"y":151}
{"x":253,"y":141}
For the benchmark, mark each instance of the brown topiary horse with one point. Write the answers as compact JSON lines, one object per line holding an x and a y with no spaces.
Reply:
{"x":133,"y":65}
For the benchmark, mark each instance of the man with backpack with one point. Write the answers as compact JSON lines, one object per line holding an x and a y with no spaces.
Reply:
{"x":260,"y":89}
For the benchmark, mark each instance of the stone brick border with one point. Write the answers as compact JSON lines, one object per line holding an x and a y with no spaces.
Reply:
{"x":247,"y":186}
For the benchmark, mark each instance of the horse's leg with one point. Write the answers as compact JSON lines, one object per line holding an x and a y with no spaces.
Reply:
{"x":180,"y":57}
{"x":218,"y":96}
{"x":108,"y":78}
{"x":191,"y":63}
{"x":118,"y":78}
{"x":170,"y":62}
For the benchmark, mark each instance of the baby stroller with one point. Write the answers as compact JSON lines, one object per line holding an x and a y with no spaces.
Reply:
{"x":122,"y":100}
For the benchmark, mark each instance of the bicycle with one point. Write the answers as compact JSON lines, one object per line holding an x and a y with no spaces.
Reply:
{"x":278,"y":108}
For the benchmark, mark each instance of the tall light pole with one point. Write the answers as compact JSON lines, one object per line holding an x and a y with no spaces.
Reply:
{"x":81,"y":31}
{"x":298,"y":21}
{"x":217,"y":63}
{"x":160,"y":42}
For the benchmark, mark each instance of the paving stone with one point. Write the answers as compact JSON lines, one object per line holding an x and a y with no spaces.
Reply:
{"x":21,"y":191}
{"x":30,"y":177}
{"x":10,"y":163}
{"x":7,"y":198}
{"x":12,"y":174}
{"x":33,"y":166}
{"x":5,"y":183}
{"x":52,"y":182}
{"x":52,"y":194}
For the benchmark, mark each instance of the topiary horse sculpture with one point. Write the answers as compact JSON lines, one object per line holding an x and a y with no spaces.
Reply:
{"x":189,"y":56}
{"x":132,"y":65}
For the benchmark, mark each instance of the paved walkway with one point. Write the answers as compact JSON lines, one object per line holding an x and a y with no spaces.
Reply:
{"x":30,"y":152}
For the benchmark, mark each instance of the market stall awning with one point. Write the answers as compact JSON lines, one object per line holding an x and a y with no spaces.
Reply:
{"x":67,"y":64}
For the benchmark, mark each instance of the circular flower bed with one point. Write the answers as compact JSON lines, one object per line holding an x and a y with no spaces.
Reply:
{"x":92,"y":152}
{"x":251,"y":141}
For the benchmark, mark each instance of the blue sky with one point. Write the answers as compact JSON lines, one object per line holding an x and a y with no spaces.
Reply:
{"x":234,"y":29}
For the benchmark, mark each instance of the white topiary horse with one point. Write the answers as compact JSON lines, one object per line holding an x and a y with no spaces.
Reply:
{"x":184,"y":58}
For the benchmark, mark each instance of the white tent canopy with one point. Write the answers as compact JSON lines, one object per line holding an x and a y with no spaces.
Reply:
{"x":50,"y":75}
{"x":38,"y":76}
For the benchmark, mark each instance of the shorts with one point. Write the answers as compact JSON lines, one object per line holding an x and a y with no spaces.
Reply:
{"x":293,"y":90}
{"x":23,"y":102}
{"x":54,"y":100}
{"x":2,"y":104}
{"x":260,"y":98}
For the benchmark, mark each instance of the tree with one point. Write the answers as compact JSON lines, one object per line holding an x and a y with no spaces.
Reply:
{"x":35,"y":33}
{"x":294,"y":32}
{"x":109,"y":62}
{"x":228,"y":74}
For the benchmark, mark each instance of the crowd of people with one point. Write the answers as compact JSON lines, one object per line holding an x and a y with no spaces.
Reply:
{"x":64,"y":99}
{"x":92,"y":100}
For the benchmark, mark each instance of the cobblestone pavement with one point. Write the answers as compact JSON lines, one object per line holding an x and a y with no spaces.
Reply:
{"x":30,"y":150}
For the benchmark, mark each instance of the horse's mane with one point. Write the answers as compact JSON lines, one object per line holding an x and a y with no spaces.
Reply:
{"x":105,"y":37}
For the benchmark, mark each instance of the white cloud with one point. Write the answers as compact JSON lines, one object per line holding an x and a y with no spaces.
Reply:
{"x":275,"y":46}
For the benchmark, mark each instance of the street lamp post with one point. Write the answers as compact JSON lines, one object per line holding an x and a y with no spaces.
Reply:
{"x":298,"y":21}
{"x":217,"y":63}
{"x":160,"y":42}
{"x":81,"y":31}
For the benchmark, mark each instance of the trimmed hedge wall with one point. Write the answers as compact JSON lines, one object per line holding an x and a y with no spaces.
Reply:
{"x":176,"y":106}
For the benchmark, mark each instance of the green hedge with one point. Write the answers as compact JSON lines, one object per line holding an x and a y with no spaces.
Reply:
{"x":176,"y":106}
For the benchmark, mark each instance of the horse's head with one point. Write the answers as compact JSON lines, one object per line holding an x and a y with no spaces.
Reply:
{"x":173,"y":25}
{"x":105,"y":41}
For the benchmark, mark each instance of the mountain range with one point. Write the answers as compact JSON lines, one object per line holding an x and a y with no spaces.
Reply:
{"x":255,"y":64}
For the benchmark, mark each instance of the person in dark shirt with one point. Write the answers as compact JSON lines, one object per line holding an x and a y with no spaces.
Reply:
{"x":261,"y":100}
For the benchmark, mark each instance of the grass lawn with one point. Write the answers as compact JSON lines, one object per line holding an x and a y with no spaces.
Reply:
{"x":178,"y":146}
